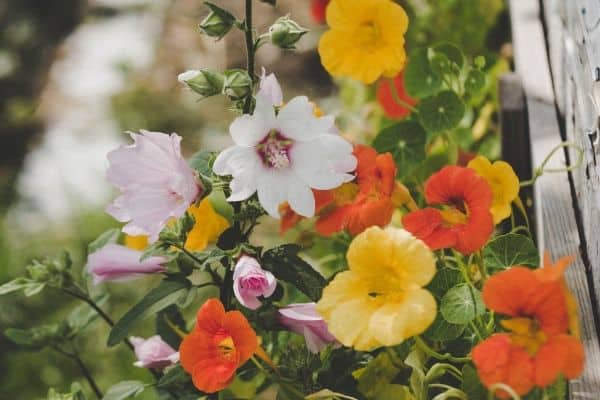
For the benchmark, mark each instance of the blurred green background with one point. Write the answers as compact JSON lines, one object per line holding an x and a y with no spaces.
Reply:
{"x":75,"y":75}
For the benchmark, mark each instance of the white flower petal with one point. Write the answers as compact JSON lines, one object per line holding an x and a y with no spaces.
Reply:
{"x":324,"y":163}
{"x":273,"y":190}
{"x":249,"y":130}
{"x":301,"y":198}
{"x":270,"y":89}
{"x":297,"y":120}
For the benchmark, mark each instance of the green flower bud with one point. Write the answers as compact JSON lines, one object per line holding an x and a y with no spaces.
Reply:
{"x":238,"y":84}
{"x":218,"y":22}
{"x":285,"y":33}
{"x":204,"y":82}
{"x":38,"y":272}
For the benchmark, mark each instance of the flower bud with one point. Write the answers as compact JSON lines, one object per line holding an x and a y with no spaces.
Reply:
{"x":250,"y":281}
{"x":153,"y":352}
{"x":204,"y":82}
{"x":285,"y":33}
{"x":218,"y":22}
{"x":303,"y":319}
{"x":238,"y":84}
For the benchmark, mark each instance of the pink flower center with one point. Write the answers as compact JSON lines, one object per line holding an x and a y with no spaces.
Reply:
{"x":274,"y":150}
{"x":255,"y":283}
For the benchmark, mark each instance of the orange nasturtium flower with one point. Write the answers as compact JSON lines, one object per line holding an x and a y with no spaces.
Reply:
{"x":367,"y":201}
{"x":541,"y":341}
{"x":220,"y":343}
{"x":386,"y":96}
{"x":503,"y":181}
{"x":464,"y":221}
{"x":380,"y":300}
{"x":365,"y":40}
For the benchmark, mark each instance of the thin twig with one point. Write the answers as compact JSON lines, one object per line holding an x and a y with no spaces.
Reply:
{"x":84,"y":370}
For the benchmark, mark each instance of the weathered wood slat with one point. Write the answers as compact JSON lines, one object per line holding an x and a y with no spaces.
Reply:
{"x":556,"y":219}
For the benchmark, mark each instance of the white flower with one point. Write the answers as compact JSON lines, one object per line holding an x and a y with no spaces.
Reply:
{"x":155,"y":181}
{"x":269,"y":89}
{"x":284,"y":156}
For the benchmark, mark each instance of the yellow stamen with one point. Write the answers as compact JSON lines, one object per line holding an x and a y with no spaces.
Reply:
{"x":525,"y":333}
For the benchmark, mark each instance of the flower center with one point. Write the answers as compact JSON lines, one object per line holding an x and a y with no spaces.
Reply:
{"x":367,"y":35}
{"x":274,"y":150}
{"x":525,"y":332}
{"x":227,"y":348}
{"x":453,"y":217}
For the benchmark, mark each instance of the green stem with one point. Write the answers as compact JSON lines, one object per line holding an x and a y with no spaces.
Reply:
{"x":542,"y":168}
{"x":84,"y":370}
{"x":501,"y":386}
{"x":424,"y":347}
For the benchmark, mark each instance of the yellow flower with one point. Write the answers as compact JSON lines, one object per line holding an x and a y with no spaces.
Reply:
{"x":136,"y":242}
{"x":209,"y":225}
{"x":504,"y":182}
{"x":366,"y":39}
{"x":380,"y":300}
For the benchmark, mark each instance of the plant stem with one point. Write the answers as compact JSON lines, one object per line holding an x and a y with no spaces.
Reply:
{"x":98,"y":310}
{"x":86,"y":372}
{"x":398,"y":100}
{"x":249,"y":51}
{"x":424,"y":347}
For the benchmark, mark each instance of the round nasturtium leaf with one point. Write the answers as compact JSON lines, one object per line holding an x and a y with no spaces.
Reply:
{"x":475,"y":81}
{"x":441,"y":112}
{"x":419,"y":79}
{"x":405,"y":141}
{"x":509,"y":250}
{"x":462,"y":304}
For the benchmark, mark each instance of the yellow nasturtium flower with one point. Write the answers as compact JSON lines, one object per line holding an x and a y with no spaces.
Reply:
{"x":139,"y":242}
{"x":208,"y":227}
{"x":365,"y":40}
{"x":380,"y":300}
{"x":504,"y":182}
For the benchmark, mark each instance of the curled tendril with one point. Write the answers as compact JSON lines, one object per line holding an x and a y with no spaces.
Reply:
{"x":541,"y":170}
{"x":502,"y":386}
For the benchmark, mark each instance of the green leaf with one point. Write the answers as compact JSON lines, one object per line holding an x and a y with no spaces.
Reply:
{"x":36,"y":337}
{"x":419,"y":79}
{"x":286,"y":265}
{"x":441,"y":112}
{"x":202,"y":162}
{"x":441,"y":65}
{"x":17,"y":284}
{"x":394,"y":391}
{"x":110,"y":236}
{"x":173,"y":376}
{"x":453,"y":53}
{"x":441,"y":330}
{"x":124,"y":390}
{"x":416,"y":360}
{"x":75,"y":394}
{"x":444,"y":280}
{"x":462,"y":304}
{"x":379,"y":372}
{"x":170,"y":291}
{"x":475,"y":82}
{"x":406,"y":141}
{"x":471,"y":384}
{"x":34,"y":289}
{"x":508,"y":250}
{"x":166,"y":319}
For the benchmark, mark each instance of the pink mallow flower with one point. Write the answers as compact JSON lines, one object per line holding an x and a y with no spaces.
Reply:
{"x":251,"y":281}
{"x":153,"y":352}
{"x":303,"y":319}
{"x":155,"y":181}
{"x":114,"y":262}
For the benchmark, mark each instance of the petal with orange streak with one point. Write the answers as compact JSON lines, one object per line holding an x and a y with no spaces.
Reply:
{"x":426,"y":225}
{"x":244,"y":337}
{"x":509,"y":291}
{"x":195,"y":347}
{"x":210,"y":376}
{"x":210,"y":316}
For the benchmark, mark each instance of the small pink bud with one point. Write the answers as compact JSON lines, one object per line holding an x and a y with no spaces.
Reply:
{"x":303,"y":319}
{"x":251,"y":281}
{"x":114,"y":262}
{"x":153,"y":352}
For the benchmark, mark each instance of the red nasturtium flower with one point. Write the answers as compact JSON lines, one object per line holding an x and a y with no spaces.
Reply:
{"x":220,"y":343}
{"x":537,"y":347}
{"x":386,"y":97}
{"x":464,"y":221}
{"x":317,"y":10}
{"x":367,"y":201}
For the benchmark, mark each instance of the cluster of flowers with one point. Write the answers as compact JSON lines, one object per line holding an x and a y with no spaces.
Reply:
{"x":295,"y":162}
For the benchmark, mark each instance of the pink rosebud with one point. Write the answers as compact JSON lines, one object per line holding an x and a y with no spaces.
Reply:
{"x":304,"y":320}
{"x":155,"y":181}
{"x":153,"y":352}
{"x":270,"y":89}
{"x":114,"y":262}
{"x":251,"y":281}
